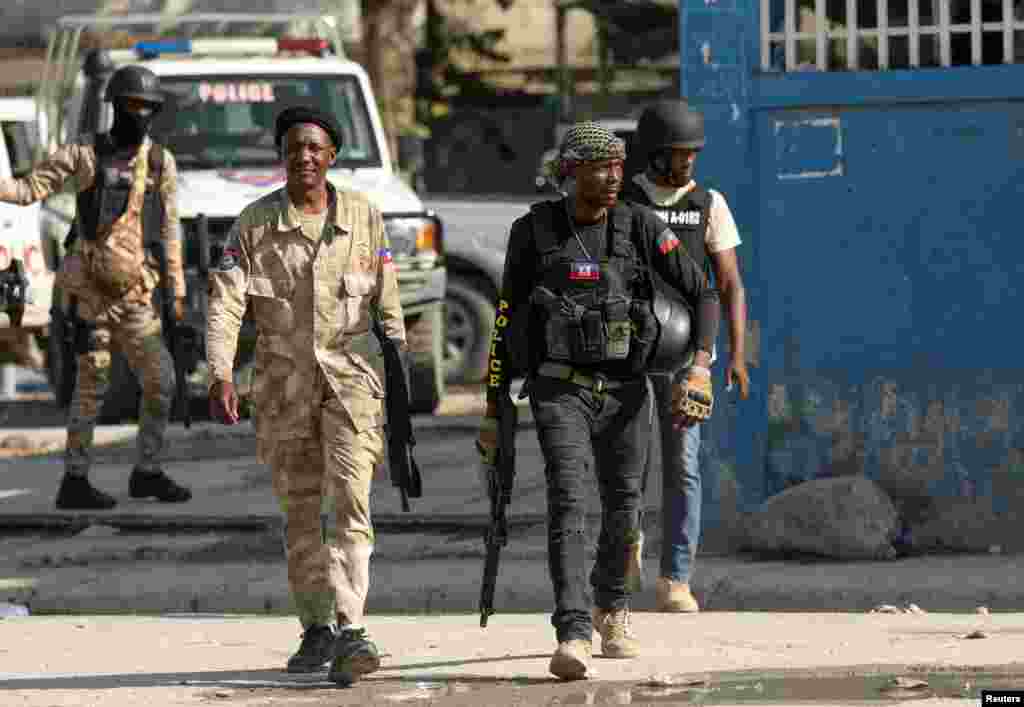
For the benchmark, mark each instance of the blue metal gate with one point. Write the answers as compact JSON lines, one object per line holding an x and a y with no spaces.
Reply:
{"x":882,"y":243}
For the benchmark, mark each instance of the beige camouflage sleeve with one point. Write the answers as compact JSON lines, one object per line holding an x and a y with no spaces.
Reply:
{"x":69,"y":161}
{"x":229,"y":280}
{"x":387,"y":302}
{"x":171,"y":232}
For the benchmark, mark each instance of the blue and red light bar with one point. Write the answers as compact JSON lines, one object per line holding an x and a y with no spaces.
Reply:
{"x":227,"y":47}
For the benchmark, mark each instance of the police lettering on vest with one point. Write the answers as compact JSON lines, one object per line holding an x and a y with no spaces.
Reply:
{"x":687,"y":217}
{"x":674,"y":217}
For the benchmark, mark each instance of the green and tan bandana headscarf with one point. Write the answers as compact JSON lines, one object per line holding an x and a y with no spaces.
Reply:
{"x":585,"y":142}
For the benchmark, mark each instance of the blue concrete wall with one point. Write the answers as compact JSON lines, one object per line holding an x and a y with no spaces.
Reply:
{"x":882,"y":255}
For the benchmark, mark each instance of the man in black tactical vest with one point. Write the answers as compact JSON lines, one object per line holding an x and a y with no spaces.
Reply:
{"x":672,"y":134}
{"x":578,"y":288}
{"x":127,"y":198}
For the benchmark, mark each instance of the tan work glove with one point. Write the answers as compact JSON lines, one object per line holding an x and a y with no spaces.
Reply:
{"x":692,"y":398}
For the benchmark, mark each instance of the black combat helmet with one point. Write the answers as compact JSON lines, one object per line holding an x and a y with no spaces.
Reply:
{"x":668,"y":124}
{"x":134,"y":82}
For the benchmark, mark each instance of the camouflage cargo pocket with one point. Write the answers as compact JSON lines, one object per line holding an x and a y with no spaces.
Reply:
{"x":118,"y":258}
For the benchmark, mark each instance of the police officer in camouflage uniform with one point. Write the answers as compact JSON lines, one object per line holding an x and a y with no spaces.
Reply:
{"x":671,"y":134}
{"x":576,"y":286}
{"x":313,"y":263}
{"x":127,"y":197}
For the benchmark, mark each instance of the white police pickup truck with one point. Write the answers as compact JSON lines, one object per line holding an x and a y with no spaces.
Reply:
{"x":224,"y":88}
{"x":21,"y":131}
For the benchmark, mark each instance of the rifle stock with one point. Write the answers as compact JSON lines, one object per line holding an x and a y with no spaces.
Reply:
{"x":501,"y":482}
{"x":405,"y":473}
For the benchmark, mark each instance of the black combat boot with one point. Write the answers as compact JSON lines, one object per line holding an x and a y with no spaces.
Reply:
{"x":77,"y":494}
{"x":158,"y":485}
{"x":355,"y":655}
{"x":315,"y":651}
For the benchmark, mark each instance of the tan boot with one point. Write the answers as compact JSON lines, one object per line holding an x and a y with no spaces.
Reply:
{"x":571,"y":660}
{"x":617,"y":639}
{"x":675,"y":597}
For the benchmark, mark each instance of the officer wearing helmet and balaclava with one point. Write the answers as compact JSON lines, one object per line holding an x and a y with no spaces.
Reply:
{"x":578,"y":289}
{"x":672,"y":134}
{"x":127,"y":199}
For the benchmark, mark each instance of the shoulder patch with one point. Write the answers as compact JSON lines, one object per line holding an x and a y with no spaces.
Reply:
{"x":667,"y":241}
{"x":227,"y":255}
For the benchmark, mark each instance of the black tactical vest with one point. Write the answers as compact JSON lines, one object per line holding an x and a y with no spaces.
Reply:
{"x":104,"y":202}
{"x":593,"y":314}
{"x":688,"y":218}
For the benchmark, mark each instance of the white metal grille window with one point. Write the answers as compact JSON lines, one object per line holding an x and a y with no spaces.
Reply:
{"x":867,"y":35}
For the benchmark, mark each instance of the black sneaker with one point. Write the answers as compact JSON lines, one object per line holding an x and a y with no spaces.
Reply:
{"x":355,"y":655}
{"x":76,"y":493}
{"x":158,"y":485}
{"x":315,"y":651}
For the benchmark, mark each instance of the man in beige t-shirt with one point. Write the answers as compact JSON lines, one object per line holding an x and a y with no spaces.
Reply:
{"x":671,"y":134}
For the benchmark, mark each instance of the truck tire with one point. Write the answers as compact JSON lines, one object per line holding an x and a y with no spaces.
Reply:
{"x":469,"y":317}
{"x":426,"y":360}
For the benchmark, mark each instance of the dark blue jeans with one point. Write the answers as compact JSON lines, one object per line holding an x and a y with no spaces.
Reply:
{"x":583,"y":436}
{"x":680,"y":488}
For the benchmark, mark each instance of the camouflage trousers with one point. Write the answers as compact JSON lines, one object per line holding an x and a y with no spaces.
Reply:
{"x":323,"y":486}
{"x":135,"y":331}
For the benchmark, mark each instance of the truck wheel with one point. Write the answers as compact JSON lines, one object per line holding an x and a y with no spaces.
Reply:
{"x":469,"y":316}
{"x":426,"y":361}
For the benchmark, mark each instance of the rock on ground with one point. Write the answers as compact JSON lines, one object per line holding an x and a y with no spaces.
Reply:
{"x":848,"y":518}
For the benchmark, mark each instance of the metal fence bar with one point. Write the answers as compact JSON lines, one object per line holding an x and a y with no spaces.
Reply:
{"x":915,"y":37}
{"x":790,"y":30}
{"x":820,"y":35}
{"x":852,"y":50}
{"x":944,"y":37}
{"x":883,"y":35}
{"x":766,"y":42}
{"x":1008,"y":57}
{"x":976,"y":32}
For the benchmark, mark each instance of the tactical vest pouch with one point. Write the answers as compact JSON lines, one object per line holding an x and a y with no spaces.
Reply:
{"x":117,"y":256}
{"x":619,"y":328}
{"x":591,"y":341}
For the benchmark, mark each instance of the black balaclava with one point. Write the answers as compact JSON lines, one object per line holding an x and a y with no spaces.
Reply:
{"x":131,"y":127}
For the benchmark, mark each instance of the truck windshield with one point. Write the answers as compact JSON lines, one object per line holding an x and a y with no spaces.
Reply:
{"x":218,"y":122}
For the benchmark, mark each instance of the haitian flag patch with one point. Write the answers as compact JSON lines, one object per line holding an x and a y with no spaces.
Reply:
{"x":385,"y":256}
{"x":667,"y":242}
{"x":227,"y":259}
{"x":585,"y":270}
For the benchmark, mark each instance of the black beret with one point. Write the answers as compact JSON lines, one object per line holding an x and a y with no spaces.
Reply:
{"x":306,"y":114}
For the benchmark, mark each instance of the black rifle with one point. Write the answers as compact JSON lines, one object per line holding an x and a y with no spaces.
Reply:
{"x":14,"y":291}
{"x":500,"y":483}
{"x":405,"y":474}
{"x":64,"y":327}
{"x":182,"y":340}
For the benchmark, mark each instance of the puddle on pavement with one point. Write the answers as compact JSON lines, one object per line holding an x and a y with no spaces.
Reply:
{"x":721,"y":689}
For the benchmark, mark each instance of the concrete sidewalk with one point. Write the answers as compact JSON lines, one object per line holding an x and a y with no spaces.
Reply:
{"x":715,"y":658}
